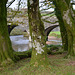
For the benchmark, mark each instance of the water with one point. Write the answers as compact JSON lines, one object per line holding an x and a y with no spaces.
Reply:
{"x":19,"y":43}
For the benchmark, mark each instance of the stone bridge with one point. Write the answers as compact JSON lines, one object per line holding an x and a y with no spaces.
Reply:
{"x":47,"y":30}
{"x":22,"y":23}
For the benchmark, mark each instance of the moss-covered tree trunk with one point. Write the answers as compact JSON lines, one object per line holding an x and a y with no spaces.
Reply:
{"x":36,"y":27}
{"x":6,"y":52}
{"x":62,"y":28}
{"x":68,"y":23}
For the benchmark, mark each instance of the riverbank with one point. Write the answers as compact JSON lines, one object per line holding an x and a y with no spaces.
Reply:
{"x":58,"y":66}
{"x":54,"y":40}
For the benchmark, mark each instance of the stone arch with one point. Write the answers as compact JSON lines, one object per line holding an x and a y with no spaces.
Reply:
{"x":10,"y":28}
{"x":49,"y":29}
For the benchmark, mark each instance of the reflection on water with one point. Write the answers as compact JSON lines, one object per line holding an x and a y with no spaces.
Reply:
{"x":20,"y":43}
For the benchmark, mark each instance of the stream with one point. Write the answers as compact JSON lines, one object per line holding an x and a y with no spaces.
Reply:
{"x":20,"y":43}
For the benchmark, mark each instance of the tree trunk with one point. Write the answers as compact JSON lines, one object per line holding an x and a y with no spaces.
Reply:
{"x":68,"y":22}
{"x":36,"y":27}
{"x":62,"y":28}
{"x":6,"y":52}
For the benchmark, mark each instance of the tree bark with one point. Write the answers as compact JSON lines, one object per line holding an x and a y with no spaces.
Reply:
{"x":36,"y":27}
{"x":6,"y":51}
{"x":68,"y":23}
{"x":62,"y":28}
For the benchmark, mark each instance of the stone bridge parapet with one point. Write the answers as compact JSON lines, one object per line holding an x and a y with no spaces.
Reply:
{"x":21,"y":19}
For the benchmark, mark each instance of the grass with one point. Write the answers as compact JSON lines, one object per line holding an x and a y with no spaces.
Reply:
{"x":58,"y":66}
{"x":56,"y":34}
{"x":18,"y":32}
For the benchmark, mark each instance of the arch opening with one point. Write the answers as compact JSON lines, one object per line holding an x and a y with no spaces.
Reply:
{"x":10,"y":28}
{"x":53,"y":35}
{"x":19,"y":38}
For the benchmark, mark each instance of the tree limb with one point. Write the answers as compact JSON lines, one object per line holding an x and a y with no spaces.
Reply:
{"x":49,"y":21}
{"x":17,"y":9}
{"x":10,"y":3}
{"x":48,"y":13}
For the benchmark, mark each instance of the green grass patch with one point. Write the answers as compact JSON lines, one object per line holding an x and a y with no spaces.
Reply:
{"x":56,"y":34}
{"x":18,"y":32}
{"x":58,"y":66}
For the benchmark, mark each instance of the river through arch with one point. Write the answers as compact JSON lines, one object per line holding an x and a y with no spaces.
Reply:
{"x":21,"y":43}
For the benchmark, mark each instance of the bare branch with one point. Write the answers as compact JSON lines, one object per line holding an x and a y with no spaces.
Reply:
{"x":10,"y":3}
{"x":48,"y":13}
{"x":49,"y":21}
{"x":48,"y":16}
{"x":17,"y":10}
{"x":19,"y":4}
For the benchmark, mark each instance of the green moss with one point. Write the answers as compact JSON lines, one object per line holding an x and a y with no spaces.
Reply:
{"x":67,"y":35}
{"x":22,"y":55}
{"x":6,"y":51}
{"x":36,"y":27}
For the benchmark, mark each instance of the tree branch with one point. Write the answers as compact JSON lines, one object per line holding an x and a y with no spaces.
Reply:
{"x":49,"y":16}
{"x":49,"y":21}
{"x":48,"y":13}
{"x":10,"y":3}
{"x":17,"y":9}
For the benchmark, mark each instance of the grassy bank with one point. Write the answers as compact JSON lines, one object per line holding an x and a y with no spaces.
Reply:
{"x":18,"y":32}
{"x":56,"y":34}
{"x":58,"y":66}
